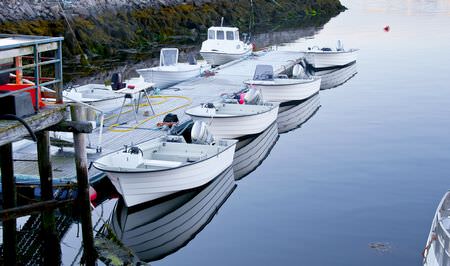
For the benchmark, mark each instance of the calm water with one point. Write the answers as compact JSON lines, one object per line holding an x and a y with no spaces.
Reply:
{"x":369,"y":167}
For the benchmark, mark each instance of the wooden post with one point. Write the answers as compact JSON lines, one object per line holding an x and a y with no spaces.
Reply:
{"x":9,"y":201}
{"x":51,"y":248}
{"x":79,"y":140}
{"x":18,"y":63}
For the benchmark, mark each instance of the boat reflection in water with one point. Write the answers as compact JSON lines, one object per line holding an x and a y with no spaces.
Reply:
{"x":292,"y":115}
{"x":161,"y":228}
{"x":334,"y":77}
{"x":253,"y":150}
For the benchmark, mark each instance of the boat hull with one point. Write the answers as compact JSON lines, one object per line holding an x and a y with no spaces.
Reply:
{"x":161,"y":229}
{"x":140,"y":187}
{"x":215,"y":58}
{"x":165,"y":79}
{"x":319,"y":59}
{"x":239,"y":126}
{"x":289,"y":92}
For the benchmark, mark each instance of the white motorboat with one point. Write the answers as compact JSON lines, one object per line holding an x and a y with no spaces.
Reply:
{"x":253,"y":150}
{"x":328,"y":57}
{"x":436,"y":252}
{"x":166,"y":165}
{"x":162,"y":227}
{"x":294,"y":114}
{"x":335,"y":77}
{"x":101,"y":96}
{"x":170,"y":71}
{"x":275,"y":89}
{"x":232,"y":120}
{"x":223,"y":45}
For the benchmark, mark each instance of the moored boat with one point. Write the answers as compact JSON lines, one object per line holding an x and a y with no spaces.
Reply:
{"x":230,"y":120}
{"x":223,"y":45}
{"x":170,"y":71}
{"x":166,"y":165}
{"x":160,"y":228}
{"x":329,"y":57}
{"x":275,"y":89}
{"x":436,"y":252}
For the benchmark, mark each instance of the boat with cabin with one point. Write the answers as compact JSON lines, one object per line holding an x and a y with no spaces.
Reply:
{"x":170,"y":71}
{"x":223,"y":45}
{"x":166,"y":165}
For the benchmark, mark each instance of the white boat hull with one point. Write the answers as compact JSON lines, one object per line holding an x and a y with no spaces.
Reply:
{"x":165,"y":79}
{"x":215,"y":58}
{"x":238,"y":126}
{"x":324,"y":59}
{"x":437,"y":252}
{"x":288,"y":92}
{"x":140,"y":187}
{"x":161,"y":229}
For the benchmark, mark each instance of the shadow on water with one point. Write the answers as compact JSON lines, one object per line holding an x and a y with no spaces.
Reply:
{"x":293,"y":114}
{"x":158,"y":229}
{"x":334,"y":77}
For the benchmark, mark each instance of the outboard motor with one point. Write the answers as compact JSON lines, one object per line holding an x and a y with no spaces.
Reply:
{"x":191,"y":59}
{"x":117,"y":82}
{"x":340,"y":46}
{"x":210,"y":108}
{"x":298,"y":71}
{"x":184,"y":129}
{"x":253,"y":96}
{"x":200,"y":134}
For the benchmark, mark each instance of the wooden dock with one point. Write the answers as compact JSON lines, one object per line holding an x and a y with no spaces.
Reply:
{"x":224,"y":79}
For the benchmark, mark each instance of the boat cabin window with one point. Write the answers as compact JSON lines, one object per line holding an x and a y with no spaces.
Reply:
{"x":220,"y":35}
{"x":230,"y":35}
{"x":168,"y":57}
{"x":211,"y":34}
{"x":236,"y":35}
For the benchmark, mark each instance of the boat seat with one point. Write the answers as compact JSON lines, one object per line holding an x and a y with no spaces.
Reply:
{"x":178,"y":157}
{"x":162,"y":163}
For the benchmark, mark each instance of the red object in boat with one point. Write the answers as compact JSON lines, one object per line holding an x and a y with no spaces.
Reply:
{"x":92,"y":194}
{"x":241,"y":98}
{"x":131,"y":86}
{"x":15,"y":87}
{"x":387,"y":28}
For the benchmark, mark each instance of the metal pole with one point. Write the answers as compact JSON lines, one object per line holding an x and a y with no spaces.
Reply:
{"x":59,"y":74}
{"x":36,"y":76}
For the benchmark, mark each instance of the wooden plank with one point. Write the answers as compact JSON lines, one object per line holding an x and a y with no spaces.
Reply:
{"x":73,"y":126}
{"x":11,"y":53}
{"x":9,"y":201}
{"x":11,"y":130}
{"x":13,"y":213}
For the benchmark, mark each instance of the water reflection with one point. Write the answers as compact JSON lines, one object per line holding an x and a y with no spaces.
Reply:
{"x":161,"y":228}
{"x":253,"y":150}
{"x":335,"y":77}
{"x":292,"y":115}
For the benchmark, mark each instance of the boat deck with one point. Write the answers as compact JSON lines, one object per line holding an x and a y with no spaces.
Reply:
{"x":225,"y":79}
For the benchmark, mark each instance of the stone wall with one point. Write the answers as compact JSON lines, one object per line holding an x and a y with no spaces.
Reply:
{"x":15,"y":10}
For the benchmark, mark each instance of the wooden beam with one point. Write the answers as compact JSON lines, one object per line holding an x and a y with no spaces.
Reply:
{"x":13,"y":213}
{"x":11,"y":130}
{"x":73,"y":126}
{"x":79,"y":140}
{"x":51,"y":246}
{"x":9,"y":201}
{"x":10,"y":53}
{"x":18,"y":63}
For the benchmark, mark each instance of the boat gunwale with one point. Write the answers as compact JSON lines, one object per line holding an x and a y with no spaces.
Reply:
{"x":301,"y":81}
{"x":233,"y":144}
{"x":273,"y":105}
{"x":352,"y":50}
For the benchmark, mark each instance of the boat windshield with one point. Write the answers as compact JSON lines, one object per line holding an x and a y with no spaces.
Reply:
{"x":263,"y":72}
{"x":230,"y":35}
{"x":220,"y":35}
{"x":211,"y":34}
{"x":169,"y":57}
